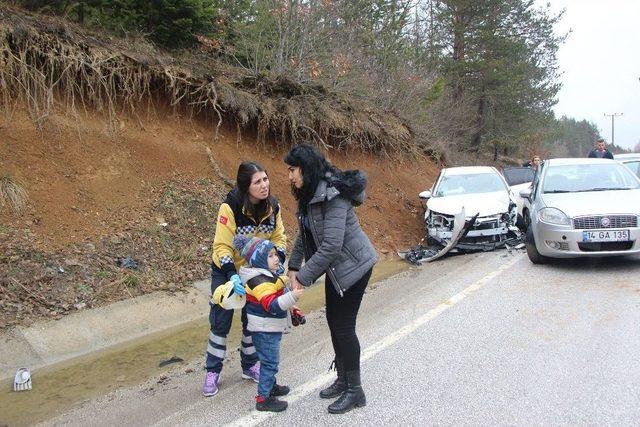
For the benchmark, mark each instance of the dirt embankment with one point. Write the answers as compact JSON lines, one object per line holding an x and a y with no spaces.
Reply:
{"x":149,"y":191}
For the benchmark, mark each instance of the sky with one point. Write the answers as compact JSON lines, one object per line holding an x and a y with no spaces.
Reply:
{"x":600,"y":62}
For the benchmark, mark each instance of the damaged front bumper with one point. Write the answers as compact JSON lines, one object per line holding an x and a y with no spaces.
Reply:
{"x":457,"y":233}
{"x":460,"y":228}
{"x":484,"y":232}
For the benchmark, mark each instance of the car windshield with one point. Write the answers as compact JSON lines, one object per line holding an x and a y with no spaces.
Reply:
{"x":454,"y":185}
{"x":588,"y":177}
{"x":634,"y":166}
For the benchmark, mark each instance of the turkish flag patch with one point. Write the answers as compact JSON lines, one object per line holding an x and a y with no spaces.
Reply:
{"x":223,"y":220}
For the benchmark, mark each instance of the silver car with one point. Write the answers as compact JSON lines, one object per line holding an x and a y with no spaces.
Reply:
{"x":631,"y":160}
{"x":582,"y":207}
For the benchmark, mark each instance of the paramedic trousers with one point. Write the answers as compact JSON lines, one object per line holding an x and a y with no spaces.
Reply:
{"x":220,"y":321}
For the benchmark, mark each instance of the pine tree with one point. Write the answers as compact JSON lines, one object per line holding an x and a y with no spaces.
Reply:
{"x":502,"y":55}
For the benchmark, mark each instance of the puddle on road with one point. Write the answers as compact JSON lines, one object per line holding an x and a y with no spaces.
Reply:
{"x":59,"y":387}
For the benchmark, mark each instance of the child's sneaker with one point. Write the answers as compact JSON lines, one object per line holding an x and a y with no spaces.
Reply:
{"x":270,"y":404}
{"x":279,"y":390}
{"x":211,"y":381}
{"x":253,"y":373}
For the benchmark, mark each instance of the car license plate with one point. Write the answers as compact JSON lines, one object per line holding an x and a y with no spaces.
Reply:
{"x":605,"y":235}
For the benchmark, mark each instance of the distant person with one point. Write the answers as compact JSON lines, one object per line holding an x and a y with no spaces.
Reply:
{"x":331,"y":241}
{"x":533,"y":163}
{"x":600,"y":152}
{"x":249,"y":210}
{"x":269,"y":302}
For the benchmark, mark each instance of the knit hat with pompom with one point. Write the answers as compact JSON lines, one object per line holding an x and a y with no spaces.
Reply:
{"x":254,"y":250}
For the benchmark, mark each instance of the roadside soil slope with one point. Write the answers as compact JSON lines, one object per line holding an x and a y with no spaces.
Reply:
{"x":148,"y":190}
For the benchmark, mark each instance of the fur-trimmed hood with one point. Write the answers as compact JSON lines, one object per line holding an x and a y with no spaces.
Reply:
{"x":349,"y":184}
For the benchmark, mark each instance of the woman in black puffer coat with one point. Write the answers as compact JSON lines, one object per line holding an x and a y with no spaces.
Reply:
{"x":331,"y":241}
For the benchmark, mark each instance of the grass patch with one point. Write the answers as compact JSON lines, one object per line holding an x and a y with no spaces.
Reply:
{"x":12,"y":194}
{"x":85,"y":288}
{"x":132,"y":281}
{"x":183,"y":257}
{"x":102,"y":274}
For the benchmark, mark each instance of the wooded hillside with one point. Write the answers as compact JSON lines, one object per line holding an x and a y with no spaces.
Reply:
{"x":462,"y":75}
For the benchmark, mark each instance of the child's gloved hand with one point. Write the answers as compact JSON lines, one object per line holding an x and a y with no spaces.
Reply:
{"x":238,"y":287}
{"x":297,"y":317}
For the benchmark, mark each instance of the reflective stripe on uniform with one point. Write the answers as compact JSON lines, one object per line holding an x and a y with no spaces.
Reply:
{"x":217,"y":340}
{"x":216,"y":351}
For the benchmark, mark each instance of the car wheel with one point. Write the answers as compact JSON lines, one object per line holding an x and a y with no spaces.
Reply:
{"x":520,"y":223}
{"x":532,"y":251}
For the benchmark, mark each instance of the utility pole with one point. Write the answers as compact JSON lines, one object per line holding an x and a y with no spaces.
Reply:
{"x":613,"y":116}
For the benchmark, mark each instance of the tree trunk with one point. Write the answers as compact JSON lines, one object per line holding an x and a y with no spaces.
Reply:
{"x":458,"y":51}
{"x":81,"y":13}
{"x":480,"y":120}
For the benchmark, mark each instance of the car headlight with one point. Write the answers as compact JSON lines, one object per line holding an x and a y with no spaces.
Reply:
{"x":553,"y":216}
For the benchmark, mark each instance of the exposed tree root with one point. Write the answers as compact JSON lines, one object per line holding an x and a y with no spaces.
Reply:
{"x":45,"y":60}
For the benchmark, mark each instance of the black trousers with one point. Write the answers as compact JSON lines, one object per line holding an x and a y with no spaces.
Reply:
{"x":341,"y":317}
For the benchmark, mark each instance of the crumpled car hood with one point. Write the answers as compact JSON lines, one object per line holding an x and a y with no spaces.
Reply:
{"x":484,"y":204}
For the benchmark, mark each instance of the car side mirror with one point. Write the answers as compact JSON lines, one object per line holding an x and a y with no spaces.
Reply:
{"x":526,"y":193}
{"x":425,"y":195}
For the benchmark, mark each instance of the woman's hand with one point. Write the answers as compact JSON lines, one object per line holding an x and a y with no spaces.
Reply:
{"x":297,"y":292}
{"x":293,"y":280}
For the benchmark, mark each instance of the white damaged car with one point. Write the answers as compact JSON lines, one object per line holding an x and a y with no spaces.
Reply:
{"x":519,"y":178}
{"x":480,"y":190}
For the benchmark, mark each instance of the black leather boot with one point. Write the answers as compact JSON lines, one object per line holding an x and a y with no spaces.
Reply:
{"x":339,"y":385}
{"x":353,"y":397}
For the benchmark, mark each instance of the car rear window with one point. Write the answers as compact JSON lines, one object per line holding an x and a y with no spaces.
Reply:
{"x":515,"y":176}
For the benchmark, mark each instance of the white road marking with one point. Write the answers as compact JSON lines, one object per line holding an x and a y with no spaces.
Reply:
{"x":255,"y":417}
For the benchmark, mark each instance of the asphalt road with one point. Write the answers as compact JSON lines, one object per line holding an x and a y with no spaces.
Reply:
{"x":468,"y":340}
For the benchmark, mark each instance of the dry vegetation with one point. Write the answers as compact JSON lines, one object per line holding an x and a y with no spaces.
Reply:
{"x":12,"y":194}
{"x":46,"y":60}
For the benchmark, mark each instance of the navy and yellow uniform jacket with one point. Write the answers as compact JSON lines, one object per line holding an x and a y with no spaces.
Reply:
{"x":232,"y":220}
{"x":268,"y":300}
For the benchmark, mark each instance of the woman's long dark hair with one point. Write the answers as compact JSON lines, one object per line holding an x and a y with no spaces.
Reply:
{"x":246,"y":170}
{"x":313,"y":166}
